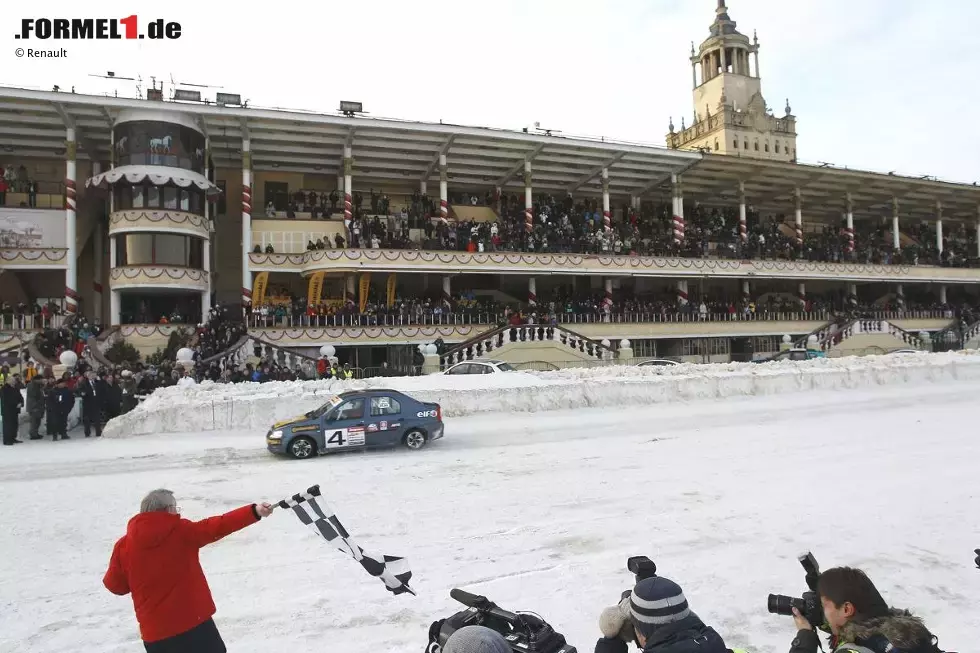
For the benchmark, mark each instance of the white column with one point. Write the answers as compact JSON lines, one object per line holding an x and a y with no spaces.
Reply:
{"x":528,"y":199}
{"x":900,"y":296}
{"x":724,"y":58}
{"x":246,"y":221}
{"x":756,"y":57}
{"x":978,"y":231}
{"x":71,"y":272}
{"x":532,"y":291}
{"x":799,"y":218}
{"x":678,"y":217}
{"x":743,"y":225}
{"x":801,"y":295}
{"x":939,"y":227}
{"x":896,"y":232}
{"x":113,"y":294}
{"x":694,"y":74}
{"x":340,"y":187}
{"x":746,"y":292}
{"x":447,"y":288}
{"x":942,"y":293}
{"x":607,"y":298}
{"x":348,"y":198}
{"x":423,"y":187}
{"x":852,"y":293}
{"x":98,"y":245}
{"x":443,"y":188}
{"x":606,"y":215}
{"x":850,"y":224}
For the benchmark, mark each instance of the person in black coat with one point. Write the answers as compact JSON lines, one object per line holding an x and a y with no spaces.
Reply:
{"x":10,"y":403}
{"x":92,"y":390}
{"x":60,"y":401}
{"x":113,"y":397}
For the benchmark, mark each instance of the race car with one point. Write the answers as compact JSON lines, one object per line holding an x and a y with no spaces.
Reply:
{"x":358,"y":420}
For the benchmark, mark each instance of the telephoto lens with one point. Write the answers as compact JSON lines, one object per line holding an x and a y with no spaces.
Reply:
{"x":781,"y":604}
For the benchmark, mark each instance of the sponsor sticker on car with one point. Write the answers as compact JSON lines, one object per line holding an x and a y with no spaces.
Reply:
{"x":427,"y":413}
{"x":372,"y":427}
{"x":383,"y":426}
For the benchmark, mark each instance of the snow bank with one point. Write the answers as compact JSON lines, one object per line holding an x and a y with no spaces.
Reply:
{"x":251,"y":406}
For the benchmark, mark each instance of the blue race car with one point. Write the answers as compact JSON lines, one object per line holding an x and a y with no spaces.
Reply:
{"x":358,"y":420}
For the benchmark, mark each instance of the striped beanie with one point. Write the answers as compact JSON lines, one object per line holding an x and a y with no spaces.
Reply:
{"x":656,"y":602}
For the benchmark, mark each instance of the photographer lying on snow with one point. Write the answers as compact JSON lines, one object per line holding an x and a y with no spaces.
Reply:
{"x":859,"y":619}
{"x":655,"y":615}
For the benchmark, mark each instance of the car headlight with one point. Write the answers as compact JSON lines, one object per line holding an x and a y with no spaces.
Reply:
{"x":275,"y":435}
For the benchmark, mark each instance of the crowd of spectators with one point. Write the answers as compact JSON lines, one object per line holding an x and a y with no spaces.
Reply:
{"x":16,"y":179}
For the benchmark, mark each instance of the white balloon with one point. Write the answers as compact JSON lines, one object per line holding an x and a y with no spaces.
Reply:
{"x":68,"y":358}
{"x":430,"y":350}
{"x":185,"y":355}
{"x":328,"y":351}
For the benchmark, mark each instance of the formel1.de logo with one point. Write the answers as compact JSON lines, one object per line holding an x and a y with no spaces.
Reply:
{"x":82,"y":29}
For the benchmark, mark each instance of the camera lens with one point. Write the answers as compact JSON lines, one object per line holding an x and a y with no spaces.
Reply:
{"x":780,"y":604}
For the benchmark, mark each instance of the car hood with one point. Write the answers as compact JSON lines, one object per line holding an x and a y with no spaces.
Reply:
{"x":291,"y":420}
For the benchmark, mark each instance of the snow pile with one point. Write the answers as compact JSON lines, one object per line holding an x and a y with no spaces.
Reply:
{"x":251,"y":406}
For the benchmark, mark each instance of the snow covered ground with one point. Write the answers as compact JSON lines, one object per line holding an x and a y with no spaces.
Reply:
{"x":536,"y":510}
{"x":248,"y":406}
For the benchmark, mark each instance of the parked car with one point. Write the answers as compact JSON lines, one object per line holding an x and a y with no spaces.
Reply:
{"x":479,"y":367}
{"x":658,"y":362}
{"x":795,"y":354}
{"x":358,"y":420}
{"x":905,"y":351}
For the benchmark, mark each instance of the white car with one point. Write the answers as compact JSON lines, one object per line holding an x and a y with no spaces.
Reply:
{"x":658,"y":362}
{"x":479,"y":367}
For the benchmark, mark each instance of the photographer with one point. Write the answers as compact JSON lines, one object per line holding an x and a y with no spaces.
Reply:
{"x":859,"y":619}
{"x":656,"y":615}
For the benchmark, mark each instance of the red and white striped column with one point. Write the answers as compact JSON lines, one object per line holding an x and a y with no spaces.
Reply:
{"x":801,"y":295}
{"x":850,"y":225}
{"x":246,"y":221}
{"x":852,"y":294}
{"x":900,"y":296}
{"x":528,"y":199}
{"x":942,"y":294}
{"x":532,"y":291}
{"x":746,"y":293}
{"x":606,"y":214}
{"x":98,"y":249}
{"x":348,"y":200}
{"x":799,"y":218}
{"x":443,"y":188}
{"x":607,"y":299}
{"x":678,"y":210}
{"x":206,"y":254}
{"x":71,"y":205}
{"x":743,"y":224}
{"x":978,"y":231}
{"x":682,"y":297}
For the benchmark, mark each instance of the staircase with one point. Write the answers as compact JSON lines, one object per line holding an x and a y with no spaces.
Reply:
{"x":822,"y":334}
{"x":971,"y":336}
{"x":96,"y":347}
{"x":496,"y":339}
{"x":244,"y":348}
{"x":869,"y":327}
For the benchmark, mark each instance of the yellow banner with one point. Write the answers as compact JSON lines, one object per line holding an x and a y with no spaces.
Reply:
{"x":316,"y":288}
{"x":259,"y":287}
{"x":365,"y":285}
{"x":391,"y":290}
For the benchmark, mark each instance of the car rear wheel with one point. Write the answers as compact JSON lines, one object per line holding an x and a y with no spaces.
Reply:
{"x":414,"y":439}
{"x":302,"y":448}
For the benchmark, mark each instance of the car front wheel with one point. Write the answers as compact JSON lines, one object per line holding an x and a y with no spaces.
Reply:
{"x":414,"y":439}
{"x":302,"y":448}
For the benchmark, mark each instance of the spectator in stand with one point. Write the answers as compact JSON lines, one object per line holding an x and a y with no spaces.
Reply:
{"x":11,"y":402}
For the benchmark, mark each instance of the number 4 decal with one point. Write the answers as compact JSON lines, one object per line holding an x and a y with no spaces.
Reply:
{"x":337,"y":439}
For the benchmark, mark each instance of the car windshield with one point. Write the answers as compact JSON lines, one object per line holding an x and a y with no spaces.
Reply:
{"x":332,"y":403}
{"x":505,"y":367}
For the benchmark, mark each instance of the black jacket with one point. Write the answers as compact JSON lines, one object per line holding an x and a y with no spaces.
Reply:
{"x":60,"y":401}
{"x":689,"y":635}
{"x":93,"y":395}
{"x":900,"y":630}
{"x":10,"y":401}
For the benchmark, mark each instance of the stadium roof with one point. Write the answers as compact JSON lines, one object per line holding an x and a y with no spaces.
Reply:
{"x":32,"y":124}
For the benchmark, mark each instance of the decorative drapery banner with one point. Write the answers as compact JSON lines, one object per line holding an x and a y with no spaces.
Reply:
{"x":390,"y":295}
{"x":259,"y":287}
{"x":364,"y":286}
{"x":316,"y":288}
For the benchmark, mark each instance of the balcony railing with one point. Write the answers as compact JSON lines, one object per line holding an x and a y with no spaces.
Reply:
{"x":30,"y":322}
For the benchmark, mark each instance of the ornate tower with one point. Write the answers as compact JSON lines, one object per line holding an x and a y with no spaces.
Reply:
{"x":730,"y":114}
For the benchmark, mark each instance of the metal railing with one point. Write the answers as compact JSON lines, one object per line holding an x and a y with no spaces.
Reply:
{"x":30,"y":322}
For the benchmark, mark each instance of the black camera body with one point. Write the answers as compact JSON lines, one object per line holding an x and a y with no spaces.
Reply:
{"x":809,"y":604}
{"x":524,"y":632}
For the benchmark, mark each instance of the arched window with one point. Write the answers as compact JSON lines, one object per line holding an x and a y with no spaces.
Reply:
{"x":716,"y":145}
{"x":746,"y":145}
{"x":757,"y":146}
{"x":767,"y":147}
{"x":735,"y":143}
{"x":777,"y":147}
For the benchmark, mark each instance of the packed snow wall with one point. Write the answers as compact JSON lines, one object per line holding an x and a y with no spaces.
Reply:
{"x":254,"y":406}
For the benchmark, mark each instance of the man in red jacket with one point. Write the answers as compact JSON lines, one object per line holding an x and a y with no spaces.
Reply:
{"x":157,"y":562}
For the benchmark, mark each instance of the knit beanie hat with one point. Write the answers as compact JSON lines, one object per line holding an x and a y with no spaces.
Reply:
{"x":656,"y":602}
{"x":476,"y":639}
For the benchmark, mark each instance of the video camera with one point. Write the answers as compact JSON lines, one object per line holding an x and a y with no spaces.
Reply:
{"x":524,"y":632}
{"x":809,"y":604}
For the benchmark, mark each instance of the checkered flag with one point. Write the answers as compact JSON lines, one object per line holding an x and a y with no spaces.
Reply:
{"x":393,"y":571}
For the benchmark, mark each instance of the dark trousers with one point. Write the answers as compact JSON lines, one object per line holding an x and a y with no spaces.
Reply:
{"x":9,"y":428}
{"x":36,"y":424}
{"x":200,"y":639}
{"x":92,"y":419}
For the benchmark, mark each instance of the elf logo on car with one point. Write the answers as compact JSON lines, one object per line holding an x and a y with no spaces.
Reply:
{"x":427,"y":413}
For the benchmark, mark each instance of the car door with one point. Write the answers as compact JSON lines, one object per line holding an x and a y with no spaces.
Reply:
{"x":385,"y":423}
{"x":343,"y":427}
{"x":462,"y":368}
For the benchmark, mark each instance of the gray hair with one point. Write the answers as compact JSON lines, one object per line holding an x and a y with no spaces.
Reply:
{"x":158,"y":501}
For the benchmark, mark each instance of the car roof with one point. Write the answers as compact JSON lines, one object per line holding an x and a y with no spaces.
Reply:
{"x":371,"y":391}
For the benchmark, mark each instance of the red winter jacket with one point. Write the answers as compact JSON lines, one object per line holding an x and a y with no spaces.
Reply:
{"x":157,"y":561}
